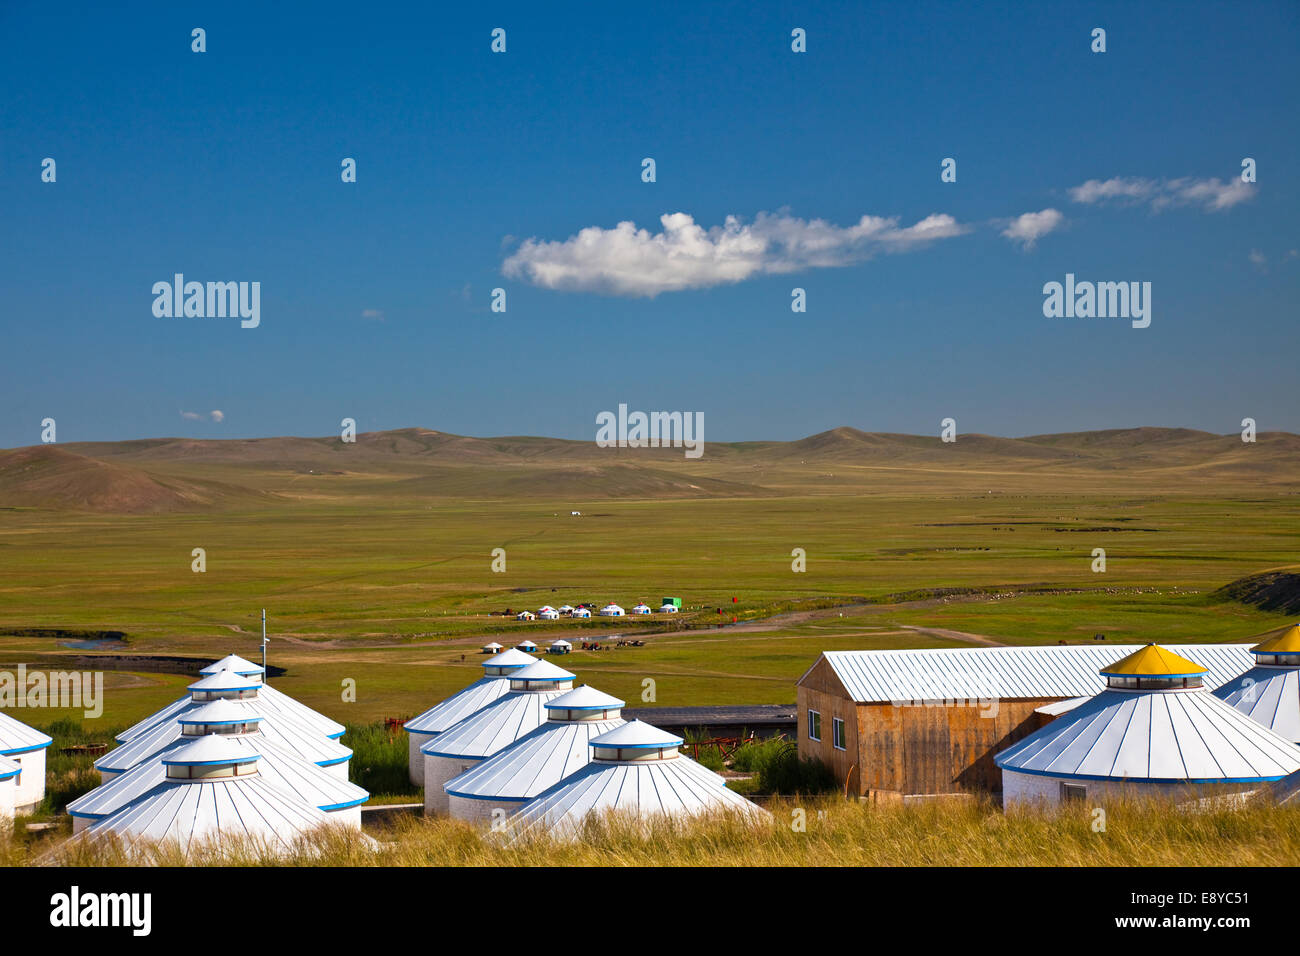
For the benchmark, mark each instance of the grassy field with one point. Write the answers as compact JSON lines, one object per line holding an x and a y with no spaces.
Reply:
{"x":833,"y":833}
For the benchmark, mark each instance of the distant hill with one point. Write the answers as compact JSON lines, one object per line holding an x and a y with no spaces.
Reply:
{"x":180,"y":474}
{"x":1277,"y":590}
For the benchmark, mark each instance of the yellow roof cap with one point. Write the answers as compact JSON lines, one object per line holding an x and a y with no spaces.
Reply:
{"x":1281,"y":640}
{"x":1153,"y":661}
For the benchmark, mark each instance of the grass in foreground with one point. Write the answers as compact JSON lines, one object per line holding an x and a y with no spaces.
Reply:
{"x":935,"y":833}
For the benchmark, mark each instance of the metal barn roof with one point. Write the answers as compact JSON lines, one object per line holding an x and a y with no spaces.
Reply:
{"x":674,"y":788}
{"x":533,"y":763}
{"x":297,"y":738}
{"x":308,"y":782}
{"x":1006,"y":673}
{"x":1269,"y":695}
{"x":1155,"y":736}
{"x":18,"y":738}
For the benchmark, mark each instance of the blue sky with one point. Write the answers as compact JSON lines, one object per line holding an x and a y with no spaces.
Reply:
{"x":225,"y":166}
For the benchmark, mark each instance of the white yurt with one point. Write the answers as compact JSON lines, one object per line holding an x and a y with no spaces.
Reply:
{"x":635,"y":769}
{"x":566,"y":609}
{"x":227,"y":702}
{"x":582,"y":612}
{"x":9,"y":772}
{"x":213,"y":790}
{"x":338,"y":799}
{"x":550,"y":614}
{"x":271,"y":702}
{"x":642,"y":609}
{"x":538,"y":760}
{"x":611,"y":610}
{"x":492,"y":729}
{"x":528,"y":647}
{"x":525,"y":616}
{"x":24,"y":746}
{"x":544,"y":608}
{"x":559,"y":647}
{"x":669,"y":609}
{"x":1269,"y":693}
{"x":447,"y":714}
{"x":492,"y":648}
{"x":1155,"y":730}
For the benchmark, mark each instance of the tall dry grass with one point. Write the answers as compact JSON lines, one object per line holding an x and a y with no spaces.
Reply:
{"x":934,"y":833}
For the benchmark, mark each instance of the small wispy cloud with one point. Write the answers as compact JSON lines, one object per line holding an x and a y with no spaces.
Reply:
{"x":628,"y":261}
{"x":1029,"y":227}
{"x":215,"y":415}
{"x":1212,"y":195}
{"x":375,"y":314}
{"x":191,"y":416}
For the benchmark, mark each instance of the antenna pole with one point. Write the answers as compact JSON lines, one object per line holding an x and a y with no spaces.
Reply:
{"x":264,"y":644}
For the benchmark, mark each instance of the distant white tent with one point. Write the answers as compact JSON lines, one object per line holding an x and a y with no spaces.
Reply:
{"x":465,"y":702}
{"x":271,"y":702}
{"x":550,"y":614}
{"x":536,"y":761}
{"x":642,"y":609}
{"x":566,"y":609}
{"x":525,"y":616}
{"x":492,"y":648}
{"x":581,"y":612}
{"x":227,"y":702}
{"x":611,"y":610}
{"x":560,"y":647}
{"x":526,"y":646}
{"x":212,"y":791}
{"x":492,"y":729}
{"x":339,"y":799}
{"x":545,"y":607}
{"x":669,"y":609}
{"x":1154,"y":729}
{"x":637,"y":770}
{"x":24,"y":746}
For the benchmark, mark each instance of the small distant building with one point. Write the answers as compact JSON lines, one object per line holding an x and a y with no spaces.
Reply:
{"x":674,"y":601}
{"x":528,"y":647}
{"x":566,"y":609}
{"x":611,"y":610}
{"x":560,"y":647}
{"x":669,"y":609}
{"x":582,"y":612}
{"x":1155,"y":730}
{"x":493,"y":648}
{"x":550,"y":614}
{"x":641,"y":609}
{"x":22,"y":747}
{"x":525,"y":616}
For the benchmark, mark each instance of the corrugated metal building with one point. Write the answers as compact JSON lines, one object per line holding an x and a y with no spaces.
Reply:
{"x":892,"y":723}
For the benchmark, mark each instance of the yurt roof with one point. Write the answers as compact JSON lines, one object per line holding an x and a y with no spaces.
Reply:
{"x":1283,"y":640}
{"x":269,"y":702}
{"x":1269,"y":696}
{"x":225,"y":680}
{"x":1154,"y":736}
{"x":1153,"y":661}
{"x":493,"y":728}
{"x":9,"y":769}
{"x":533,"y":763}
{"x":194,"y":812}
{"x":1005,"y":673}
{"x":219,"y":712}
{"x":561,"y":643}
{"x":636,"y":735}
{"x":18,"y":738}
{"x":541,"y":670}
{"x":209,"y":750}
{"x":528,"y":644}
{"x":511,"y":658}
{"x":298,"y":738}
{"x":233,"y":662}
{"x":585,"y":698}
{"x":311,"y":784}
{"x":669,"y":788}
{"x":447,"y":714}
{"x":493,"y":645}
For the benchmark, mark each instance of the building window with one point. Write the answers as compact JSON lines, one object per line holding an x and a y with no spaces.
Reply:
{"x":837,"y":733}
{"x":814,"y":725}
{"x":1070,"y":791}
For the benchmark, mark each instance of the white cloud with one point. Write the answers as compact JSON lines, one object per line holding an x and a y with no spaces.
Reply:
{"x":1028,"y":228}
{"x":218,"y":415}
{"x":372,"y":314}
{"x":629,"y":261}
{"x":1210,"y":194}
{"x":191,"y":416}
